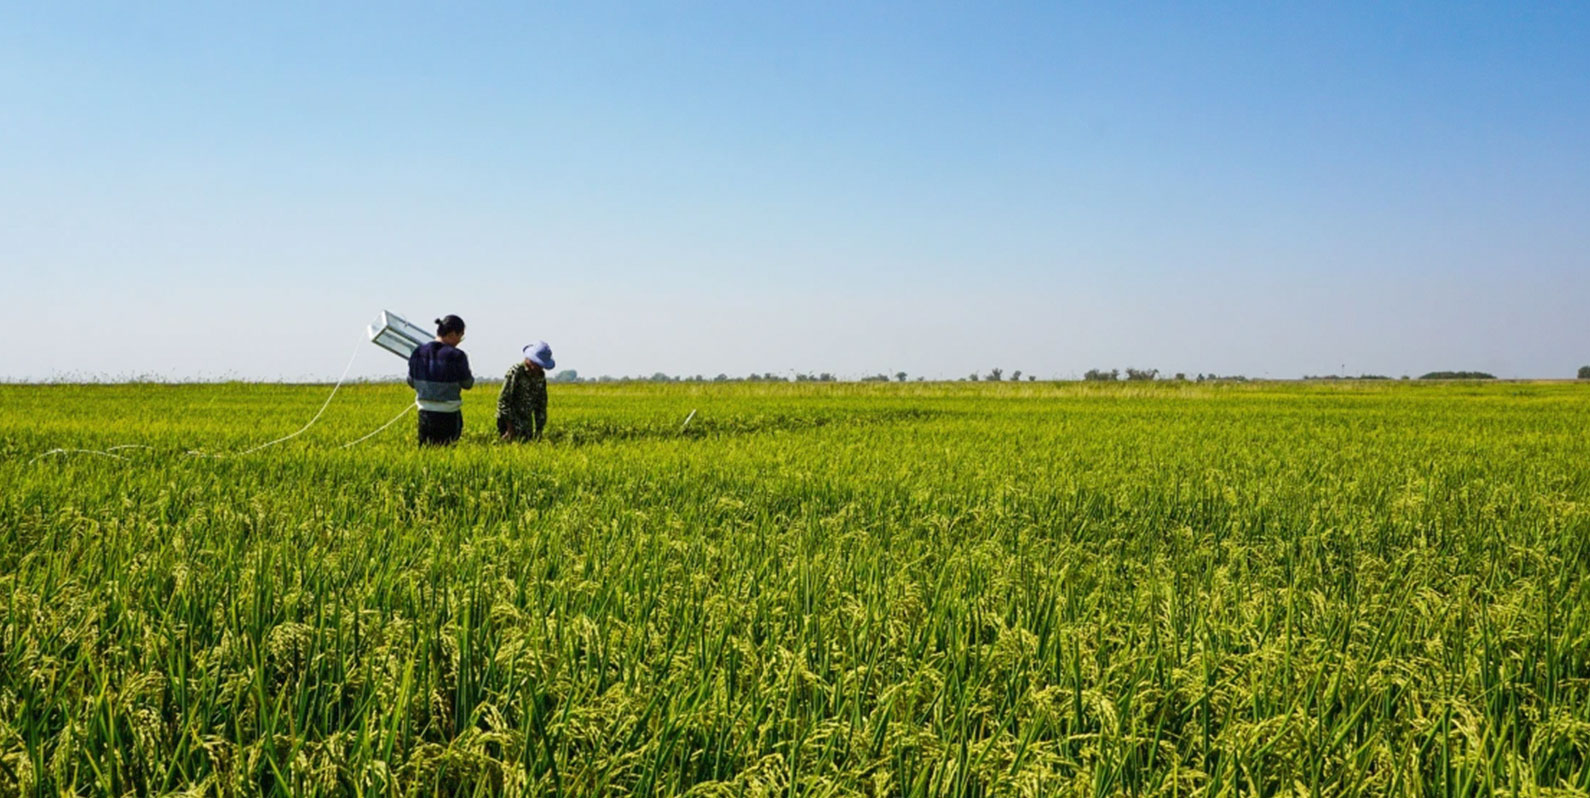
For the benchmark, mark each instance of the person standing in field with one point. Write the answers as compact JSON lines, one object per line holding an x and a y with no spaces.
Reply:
{"x":522,"y":405}
{"x":438,"y":371}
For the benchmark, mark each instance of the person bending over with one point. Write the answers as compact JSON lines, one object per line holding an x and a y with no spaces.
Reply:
{"x":522,"y":405}
{"x":438,"y":371}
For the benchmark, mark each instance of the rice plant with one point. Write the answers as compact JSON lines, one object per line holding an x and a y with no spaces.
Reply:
{"x":886,"y":589}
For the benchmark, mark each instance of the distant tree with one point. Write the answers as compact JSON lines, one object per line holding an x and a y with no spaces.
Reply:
{"x":1032,"y":378}
{"x":566,"y":375}
{"x":899,"y":376}
{"x":1458,"y":375}
{"x":721,"y":378}
{"x":1141,"y":375}
{"x":1584,"y":372}
{"x":1100,"y":375}
{"x":974,"y":377}
{"x":996,"y":374}
{"x":825,"y":377}
{"x":1181,"y":376}
{"x":1015,"y":376}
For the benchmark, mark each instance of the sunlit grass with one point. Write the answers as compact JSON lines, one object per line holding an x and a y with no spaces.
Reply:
{"x":810,"y":590}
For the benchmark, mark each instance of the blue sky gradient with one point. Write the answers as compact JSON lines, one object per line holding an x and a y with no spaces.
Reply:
{"x":198,"y":191}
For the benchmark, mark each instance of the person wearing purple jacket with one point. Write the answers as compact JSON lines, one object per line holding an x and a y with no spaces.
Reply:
{"x":438,"y":371}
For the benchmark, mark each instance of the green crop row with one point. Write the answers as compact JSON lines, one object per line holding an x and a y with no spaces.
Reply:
{"x":919,"y":589}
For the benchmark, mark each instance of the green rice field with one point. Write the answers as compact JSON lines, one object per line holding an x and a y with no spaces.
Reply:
{"x":914,"y":589}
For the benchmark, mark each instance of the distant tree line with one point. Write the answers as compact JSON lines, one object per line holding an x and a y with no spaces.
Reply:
{"x":1149,"y":375}
{"x":996,"y":374}
{"x":571,"y":375}
{"x":1458,"y":375}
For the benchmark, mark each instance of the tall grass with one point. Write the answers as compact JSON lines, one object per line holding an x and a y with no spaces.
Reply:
{"x":835,"y":590}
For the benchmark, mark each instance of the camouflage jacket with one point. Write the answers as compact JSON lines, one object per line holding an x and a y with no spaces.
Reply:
{"x":522,"y":405}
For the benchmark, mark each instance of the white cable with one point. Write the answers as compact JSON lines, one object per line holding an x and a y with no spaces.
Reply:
{"x":77,"y":451}
{"x":323,"y":406}
{"x":283,"y":439}
{"x":301,"y":430}
{"x":100,"y":452}
{"x":379,"y":429}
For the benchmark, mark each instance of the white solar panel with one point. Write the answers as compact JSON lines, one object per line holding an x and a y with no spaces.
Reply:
{"x":396,"y":335}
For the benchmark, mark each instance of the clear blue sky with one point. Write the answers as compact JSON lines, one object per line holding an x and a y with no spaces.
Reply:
{"x":207,"y":190}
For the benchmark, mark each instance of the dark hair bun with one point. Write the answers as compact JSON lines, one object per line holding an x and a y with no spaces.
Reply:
{"x":449,"y":324}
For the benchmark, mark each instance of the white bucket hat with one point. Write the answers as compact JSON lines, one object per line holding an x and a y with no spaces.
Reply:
{"x":540,"y":354}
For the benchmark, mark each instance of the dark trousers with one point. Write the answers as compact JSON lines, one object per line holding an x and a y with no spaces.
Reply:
{"x":519,"y":435}
{"x":440,"y":429}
